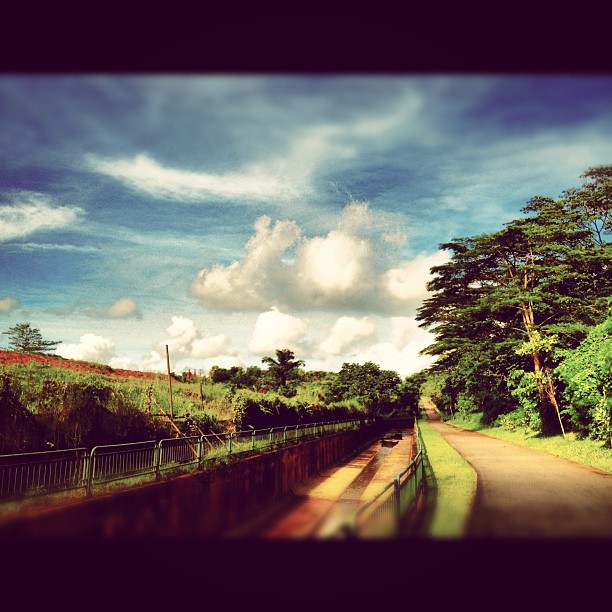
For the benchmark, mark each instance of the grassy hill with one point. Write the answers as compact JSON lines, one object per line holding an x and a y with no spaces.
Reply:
{"x":48,"y":402}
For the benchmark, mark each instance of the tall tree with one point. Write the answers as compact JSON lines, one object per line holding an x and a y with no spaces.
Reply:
{"x":27,"y":339}
{"x":532,"y":288}
{"x":283,"y":365}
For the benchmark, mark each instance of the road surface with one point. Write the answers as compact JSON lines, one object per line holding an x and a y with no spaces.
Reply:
{"x":525,"y":493}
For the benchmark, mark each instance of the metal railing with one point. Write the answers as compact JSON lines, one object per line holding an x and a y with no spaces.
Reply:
{"x":46,"y":472}
{"x":43,"y":472}
{"x":382,"y":516}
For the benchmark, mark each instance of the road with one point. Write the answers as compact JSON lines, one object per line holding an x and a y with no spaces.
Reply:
{"x":525,"y":493}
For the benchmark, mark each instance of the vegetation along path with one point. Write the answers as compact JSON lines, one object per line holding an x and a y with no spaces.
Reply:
{"x":525,"y":493}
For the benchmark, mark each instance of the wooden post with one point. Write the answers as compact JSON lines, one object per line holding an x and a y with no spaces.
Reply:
{"x":169,"y":383}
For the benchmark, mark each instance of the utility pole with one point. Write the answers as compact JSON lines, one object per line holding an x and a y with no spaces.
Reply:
{"x":169,"y":383}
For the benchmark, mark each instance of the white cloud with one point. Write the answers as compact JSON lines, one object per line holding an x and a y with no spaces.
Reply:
{"x":153,"y":362}
{"x":286,"y":175}
{"x":407,"y":281}
{"x":8,"y":304}
{"x":32,"y":212}
{"x":122,"y":308}
{"x":401,"y":352}
{"x":246,"y":285}
{"x":90,"y":348}
{"x":345,"y":333}
{"x":334,"y":267}
{"x":145,"y":174}
{"x":212,"y":346}
{"x":123,"y":363}
{"x":222,"y":361}
{"x":347,"y":268}
{"x":276,"y":330}
{"x":71,"y":248}
{"x":186,"y":342}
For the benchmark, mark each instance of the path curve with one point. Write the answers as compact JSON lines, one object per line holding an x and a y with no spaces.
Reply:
{"x":526,"y":493}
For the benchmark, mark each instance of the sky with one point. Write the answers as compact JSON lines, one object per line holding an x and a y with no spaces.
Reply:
{"x":227,"y":216}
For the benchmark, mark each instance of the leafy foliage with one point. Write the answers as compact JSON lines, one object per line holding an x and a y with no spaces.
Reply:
{"x":283,"y":367}
{"x":587,"y":375}
{"x":27,"y":339}
{"x":509,"y":305}
{"x":380,"y":391}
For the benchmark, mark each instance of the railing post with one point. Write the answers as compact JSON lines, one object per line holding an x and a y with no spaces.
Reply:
{"x":157,"y":459}
{"x":270,"y":439}
{"x":85,"y":471}
{"x":398,"y":515}
{"x":285,"y":435}
{"x":90,"y":471}
{"x":200,"y":450}
{"x":253,"y":440}
{"x":230,"y":442}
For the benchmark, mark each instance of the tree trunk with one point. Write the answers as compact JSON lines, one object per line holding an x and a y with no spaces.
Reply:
{"x":546,"y":388}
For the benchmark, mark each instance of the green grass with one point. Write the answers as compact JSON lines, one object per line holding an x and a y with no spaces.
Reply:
{"x":452,"y":488}
{"x":586,"y":452}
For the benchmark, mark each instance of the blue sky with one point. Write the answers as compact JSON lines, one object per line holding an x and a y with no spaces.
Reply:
{"x":230,"y":215}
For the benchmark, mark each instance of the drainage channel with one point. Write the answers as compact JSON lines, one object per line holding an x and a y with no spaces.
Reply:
{"x":322,"y":503}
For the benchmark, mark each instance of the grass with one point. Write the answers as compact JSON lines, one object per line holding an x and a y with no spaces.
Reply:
{"x":586,"y":452}
{"x":451,"y":489}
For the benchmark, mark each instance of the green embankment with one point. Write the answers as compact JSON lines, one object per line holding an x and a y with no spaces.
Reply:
{"x":587,"y":452}
{"x":451,"y":483}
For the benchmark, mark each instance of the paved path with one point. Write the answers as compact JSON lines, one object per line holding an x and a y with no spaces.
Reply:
{"x":523,"y":492}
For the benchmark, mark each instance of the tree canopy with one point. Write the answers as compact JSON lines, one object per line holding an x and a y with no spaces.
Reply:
{"x":282,"y":367}
{"x":508,"y":304}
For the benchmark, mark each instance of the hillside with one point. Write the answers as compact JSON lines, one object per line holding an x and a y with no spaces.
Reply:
{"x":84,"y":367}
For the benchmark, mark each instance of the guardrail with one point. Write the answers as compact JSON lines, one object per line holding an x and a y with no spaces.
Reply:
{"x":52,"y":471}
{"x":382,"y":516}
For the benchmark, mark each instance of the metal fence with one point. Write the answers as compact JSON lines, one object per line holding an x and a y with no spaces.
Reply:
{"x":382,"y":516}
{"x":46,"y":472}
{"x":43,"y":472}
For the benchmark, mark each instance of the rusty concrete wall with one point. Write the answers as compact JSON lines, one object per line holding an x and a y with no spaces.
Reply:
{"x":201,"y":504}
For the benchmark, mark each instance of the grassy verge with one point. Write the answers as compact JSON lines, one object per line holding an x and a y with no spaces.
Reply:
{"x":450,"y":487}
{"x":587,"y":452}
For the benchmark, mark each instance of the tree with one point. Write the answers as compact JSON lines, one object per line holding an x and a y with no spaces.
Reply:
{"x":378,"y":390}
{"x":587,"y":376}
{"x":526,"y":291}
{"x":282,"y":367}
{"x":26,"y":339}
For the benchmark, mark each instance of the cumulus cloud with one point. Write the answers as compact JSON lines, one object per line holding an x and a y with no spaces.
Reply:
{"x":276,"y":330}
{"x":407,"y":281}
{"x":123,"y":363}
{"x":186,"y":341}
{"x":123,"y":308}
{"x":211,"y":346}
{"x":400,"y":353}
{"x":355,"y":266}
{"x":8,"y":304}
{"x":31,"y":212}
{"x":246,"y":284}
{"x":90,"y":348}
{"x":346,"y":332}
